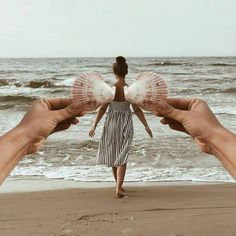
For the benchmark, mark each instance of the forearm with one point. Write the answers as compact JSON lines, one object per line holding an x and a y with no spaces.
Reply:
{"x":99,"y":116}
{"x":13,"y":146}
{"x":140,"y":115}
{"x":224,"y":148}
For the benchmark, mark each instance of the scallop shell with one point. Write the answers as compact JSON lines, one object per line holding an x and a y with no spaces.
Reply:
{"x":149,"y":88}
{"x":91,"y":90}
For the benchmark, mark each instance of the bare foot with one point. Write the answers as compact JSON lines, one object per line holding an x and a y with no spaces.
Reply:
{"x":123,"y":190}
{"x":120,"y":194}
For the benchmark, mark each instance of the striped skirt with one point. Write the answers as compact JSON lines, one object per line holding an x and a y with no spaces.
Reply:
{"x":117,"y":135}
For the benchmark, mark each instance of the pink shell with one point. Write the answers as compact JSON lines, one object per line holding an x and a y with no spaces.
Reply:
{"x":149,"y":88}
{"x":91,"y":90}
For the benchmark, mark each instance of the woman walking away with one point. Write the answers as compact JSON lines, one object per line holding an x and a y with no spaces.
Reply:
{"x":118,"y":130}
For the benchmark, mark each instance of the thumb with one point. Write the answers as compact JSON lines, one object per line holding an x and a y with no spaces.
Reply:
{"x":70,"y":111}
{"x":168,"y":111}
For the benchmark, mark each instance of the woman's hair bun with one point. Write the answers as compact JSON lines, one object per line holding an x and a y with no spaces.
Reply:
{"x":120,"y":67}
{"x":120,"y":60}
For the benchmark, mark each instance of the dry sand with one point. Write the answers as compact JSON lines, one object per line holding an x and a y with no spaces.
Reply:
{"x":200,"y":210}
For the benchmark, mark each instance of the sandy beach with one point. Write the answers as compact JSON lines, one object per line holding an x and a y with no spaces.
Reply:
{"x":168,"y":210}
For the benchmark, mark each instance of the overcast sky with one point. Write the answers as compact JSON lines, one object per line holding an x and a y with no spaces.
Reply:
{"x":77,"y":28}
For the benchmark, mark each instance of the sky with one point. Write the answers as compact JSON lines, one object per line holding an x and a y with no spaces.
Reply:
{"x":107,"y":28}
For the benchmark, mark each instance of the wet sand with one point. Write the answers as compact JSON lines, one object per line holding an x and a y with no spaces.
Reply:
{"x":174,"y":210}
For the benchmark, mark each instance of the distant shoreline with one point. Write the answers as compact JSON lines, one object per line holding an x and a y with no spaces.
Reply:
{"x":112,"y":57}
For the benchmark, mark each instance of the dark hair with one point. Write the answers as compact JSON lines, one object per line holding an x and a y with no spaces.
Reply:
{"x":120,"y":67}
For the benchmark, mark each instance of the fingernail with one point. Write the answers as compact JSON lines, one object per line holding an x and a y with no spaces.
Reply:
{"x":162,"y":105}
{"x":76,"y":121}
{"x":163,"y":122}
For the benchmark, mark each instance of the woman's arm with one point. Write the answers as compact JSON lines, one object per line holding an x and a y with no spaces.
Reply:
{"x":139,"y":113}
{"x":101,"y":112}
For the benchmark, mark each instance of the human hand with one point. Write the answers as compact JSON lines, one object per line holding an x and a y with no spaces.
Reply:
{"x":47,"y":116}
{"x":148,"y":130}
{"x":192,"y":116}
{"x":92,"y":131}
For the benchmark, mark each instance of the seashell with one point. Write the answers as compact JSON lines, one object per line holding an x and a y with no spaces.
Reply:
{"x":149,"y":88}
{"x":91,"y":90}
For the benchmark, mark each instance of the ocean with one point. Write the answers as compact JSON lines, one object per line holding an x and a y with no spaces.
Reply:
{"x":169,"y":156}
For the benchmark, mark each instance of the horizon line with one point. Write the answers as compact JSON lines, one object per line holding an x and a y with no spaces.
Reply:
{"x":73,"y":57}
